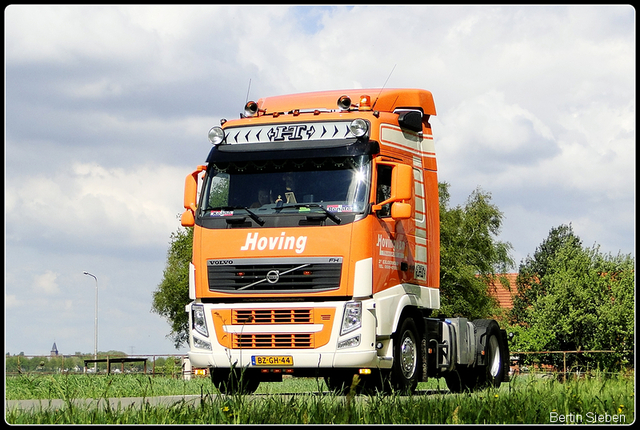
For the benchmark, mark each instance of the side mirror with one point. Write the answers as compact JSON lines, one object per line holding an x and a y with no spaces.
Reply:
{"x":401,"y":190}
{"x":188,"y":218}
{"x":400,"y":211}
{"x":401,"y":182}
{"x":190,"y":195}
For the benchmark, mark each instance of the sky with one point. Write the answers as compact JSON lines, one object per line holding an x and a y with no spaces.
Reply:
{"x":107,"y":109}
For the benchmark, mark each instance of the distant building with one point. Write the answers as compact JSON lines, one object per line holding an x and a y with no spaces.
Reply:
{"x":54,"y":350}
{"x":502,"y":294}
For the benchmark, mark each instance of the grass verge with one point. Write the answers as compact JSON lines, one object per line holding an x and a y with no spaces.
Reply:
{"x":525,"y":400}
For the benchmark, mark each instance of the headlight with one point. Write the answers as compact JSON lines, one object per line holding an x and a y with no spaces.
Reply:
{"x":352,"y":318}
{"x":216,"y":135}
{"x":359,"y":127}
{"x":198,"y":321}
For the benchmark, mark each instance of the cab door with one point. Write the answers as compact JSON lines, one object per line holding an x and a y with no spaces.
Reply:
{"x":393,"y":231}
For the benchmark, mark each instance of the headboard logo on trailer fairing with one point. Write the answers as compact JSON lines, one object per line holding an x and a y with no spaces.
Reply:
{"x":320,"y":130}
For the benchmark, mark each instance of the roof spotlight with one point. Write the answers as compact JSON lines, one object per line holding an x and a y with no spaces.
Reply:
{"x":359,"y":127}
{"x":344,"y":102}
{"x":216,"y":135}
{"x":251,"y":108}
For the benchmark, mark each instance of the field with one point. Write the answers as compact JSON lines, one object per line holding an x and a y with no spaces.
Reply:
{"x":524,"y":400}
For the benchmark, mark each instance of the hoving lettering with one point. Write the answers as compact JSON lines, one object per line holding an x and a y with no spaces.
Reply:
{"x":255,"y":241}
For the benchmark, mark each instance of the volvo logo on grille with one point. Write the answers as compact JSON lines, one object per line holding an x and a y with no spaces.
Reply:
{"x":273,"y":276}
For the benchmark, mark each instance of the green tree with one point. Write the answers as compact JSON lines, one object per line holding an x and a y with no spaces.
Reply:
{"x":470,"y":255}
{"x":574,"y":298}
{"x":532,"y":281}
{"x":172,"y":294}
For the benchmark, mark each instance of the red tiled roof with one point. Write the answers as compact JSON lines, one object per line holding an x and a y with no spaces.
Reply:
{"x":504,"y":296}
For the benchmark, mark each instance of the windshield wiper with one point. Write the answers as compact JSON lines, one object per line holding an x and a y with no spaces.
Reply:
{"x":251,"y":214}
{"x":254,"y":217}
{"x":328,"y":213}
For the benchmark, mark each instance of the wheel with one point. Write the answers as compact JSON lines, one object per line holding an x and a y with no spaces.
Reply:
{"x":236,"y":381}
{"x":496,"y":354}
{"x":406,"y":357}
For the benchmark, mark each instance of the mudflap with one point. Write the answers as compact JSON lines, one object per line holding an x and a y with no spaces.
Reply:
{"x":504,"y":347}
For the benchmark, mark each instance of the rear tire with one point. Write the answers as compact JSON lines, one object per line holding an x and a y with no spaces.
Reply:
{"x":496,"y":355}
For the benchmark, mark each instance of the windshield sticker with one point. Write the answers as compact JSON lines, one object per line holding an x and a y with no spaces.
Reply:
{"x":220,"y":213}
{"x":340,"y":208}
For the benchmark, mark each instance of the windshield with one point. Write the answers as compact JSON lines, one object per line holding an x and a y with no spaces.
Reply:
{"x":280,"y":187}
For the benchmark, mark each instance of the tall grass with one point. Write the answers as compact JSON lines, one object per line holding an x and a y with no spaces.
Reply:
{"x":527,"y":400}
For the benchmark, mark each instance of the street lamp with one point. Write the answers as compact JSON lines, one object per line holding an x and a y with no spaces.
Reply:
{"x":95,"y":325}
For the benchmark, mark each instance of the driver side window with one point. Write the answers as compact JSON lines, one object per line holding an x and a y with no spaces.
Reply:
{"x":383,"y":189}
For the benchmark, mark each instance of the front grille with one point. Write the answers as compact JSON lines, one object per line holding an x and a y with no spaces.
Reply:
{"x":273,"y":328}
{"x":272,"y":316}
{"x":250,"y":275}
{"x":279,"y":340}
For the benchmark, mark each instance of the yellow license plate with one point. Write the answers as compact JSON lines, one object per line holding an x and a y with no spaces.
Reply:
{"x":272,"y":360}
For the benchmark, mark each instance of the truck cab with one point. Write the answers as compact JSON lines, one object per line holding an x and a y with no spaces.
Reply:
{"x":316,"y":248}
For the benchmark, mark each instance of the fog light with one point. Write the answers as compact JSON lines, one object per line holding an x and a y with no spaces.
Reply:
{"x":199,"y":343}
{"x":349,"y":343}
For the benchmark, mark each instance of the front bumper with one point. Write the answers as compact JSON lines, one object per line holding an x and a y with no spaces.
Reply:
{"x":235,"y":342}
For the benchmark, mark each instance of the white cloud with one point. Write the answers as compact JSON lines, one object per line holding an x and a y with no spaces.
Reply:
{"x":118,"y":207}
{"x":46,"y":283}
{"x":12,"y":302}
{"x":598,"y":147}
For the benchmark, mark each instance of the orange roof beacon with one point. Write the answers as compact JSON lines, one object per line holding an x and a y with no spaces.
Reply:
{"x":316,"y":249}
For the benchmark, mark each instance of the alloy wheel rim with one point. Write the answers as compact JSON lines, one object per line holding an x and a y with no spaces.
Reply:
{"x":408,"y":356}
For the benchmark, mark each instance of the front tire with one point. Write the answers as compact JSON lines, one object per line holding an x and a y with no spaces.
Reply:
{"x":406,"y":357}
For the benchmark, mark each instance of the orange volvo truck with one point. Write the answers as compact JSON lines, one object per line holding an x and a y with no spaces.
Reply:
{"x":316,"y":249}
